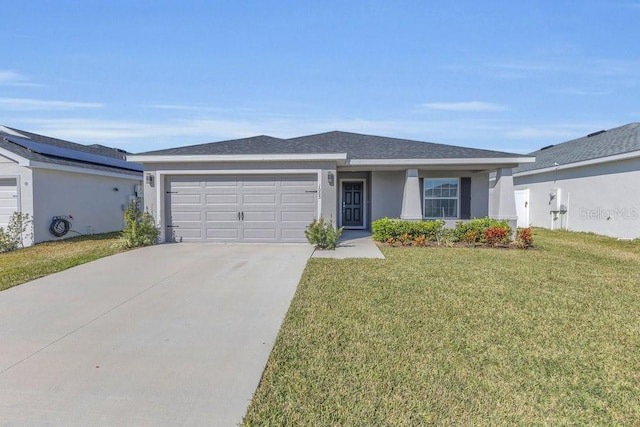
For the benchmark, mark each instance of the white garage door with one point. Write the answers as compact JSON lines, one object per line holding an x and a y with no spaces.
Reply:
{"x":8,"y":200}
{"x":241,"y":208}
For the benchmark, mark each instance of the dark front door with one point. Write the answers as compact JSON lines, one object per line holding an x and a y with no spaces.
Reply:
{"x":352,"y":206}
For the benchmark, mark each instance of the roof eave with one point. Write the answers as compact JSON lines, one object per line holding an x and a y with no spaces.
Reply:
{"x":497,"y":161}
{"x":591,"y":162}
{"x":151,"y":158}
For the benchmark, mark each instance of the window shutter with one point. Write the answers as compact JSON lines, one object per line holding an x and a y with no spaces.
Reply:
{"x":465,"y":198}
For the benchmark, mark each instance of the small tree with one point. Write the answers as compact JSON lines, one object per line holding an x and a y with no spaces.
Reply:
{"x":140,"y":228}
{"x":323,"y":234}
{"x":12,"y":238}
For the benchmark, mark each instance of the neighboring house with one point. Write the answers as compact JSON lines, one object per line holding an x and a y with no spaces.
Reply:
{"x":46,"y":177}
{"x":265,"y":189}
{"x":587,"y":184}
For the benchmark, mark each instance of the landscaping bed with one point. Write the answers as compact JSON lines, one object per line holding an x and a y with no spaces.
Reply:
{"x":478,"y":232}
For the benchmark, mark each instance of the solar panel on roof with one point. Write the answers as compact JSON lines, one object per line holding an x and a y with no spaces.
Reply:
{"x":66,"y":153}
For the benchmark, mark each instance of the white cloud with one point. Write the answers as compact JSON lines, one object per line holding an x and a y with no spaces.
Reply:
{"x":27,"y":104}
{"x":582,"y":92}
{"x":464,"y":106}
{"x":13,"y":78}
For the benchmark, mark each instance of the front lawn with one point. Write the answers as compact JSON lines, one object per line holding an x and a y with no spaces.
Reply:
{"x":462,"y":336}
{"x":27,"y":264}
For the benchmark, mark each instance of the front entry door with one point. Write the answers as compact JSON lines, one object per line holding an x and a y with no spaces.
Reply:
{"x":352,"y":206}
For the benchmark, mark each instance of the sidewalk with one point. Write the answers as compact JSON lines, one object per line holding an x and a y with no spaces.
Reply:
{"x":352,"y":244}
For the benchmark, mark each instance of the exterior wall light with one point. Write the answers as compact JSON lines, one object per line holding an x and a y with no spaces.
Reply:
{"x":331,"y":178}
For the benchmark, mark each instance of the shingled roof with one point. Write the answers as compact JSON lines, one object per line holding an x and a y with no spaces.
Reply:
{"x":356,"y":146}
{"x":598,"y":145}
{"x":359,"y":146}
{"x":7,"y":133}
{"x":261,"y":144}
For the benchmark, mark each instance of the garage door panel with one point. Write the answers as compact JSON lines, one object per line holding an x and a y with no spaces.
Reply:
{"x":186,"y":183}
{"x":186,"y":216}
{"x":8,"y":203}
{"x":185,"y":199}
{"x":223,"y":233}
{"x":259,"y":183}
{"x":221,"y":216}
{"x":222,"y":199}
{"x":8,"y":200}
{"x":293,"y":234}
{"x":266,"y":216}
{"x":186,"y":233}
{"x":308,"y":181}
{"x":300,"y":216}
{"x":298,"y":199}
{"x":274,"y":208}
{"x":221,"y":183}
{"x":264,"y":234}
{"x":259,"y":199}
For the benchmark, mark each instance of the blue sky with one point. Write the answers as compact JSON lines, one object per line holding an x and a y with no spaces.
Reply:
{"x":143,"y":75}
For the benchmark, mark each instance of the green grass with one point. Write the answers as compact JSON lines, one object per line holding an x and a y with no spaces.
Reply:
{"x":30,"y":263}
{"x":462,"y":336}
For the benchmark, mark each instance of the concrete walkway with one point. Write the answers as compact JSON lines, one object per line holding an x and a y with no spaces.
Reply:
{"x":175,"y":334}
{"x":353,"y":244}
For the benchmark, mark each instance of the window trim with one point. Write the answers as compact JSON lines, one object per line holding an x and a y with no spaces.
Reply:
{"x":424,"y":198}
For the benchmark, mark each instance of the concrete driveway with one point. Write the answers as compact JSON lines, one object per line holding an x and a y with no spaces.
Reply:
{"x":175,"y":334}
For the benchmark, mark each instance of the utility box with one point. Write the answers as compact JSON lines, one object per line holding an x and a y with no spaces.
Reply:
{"x":555,"y":200}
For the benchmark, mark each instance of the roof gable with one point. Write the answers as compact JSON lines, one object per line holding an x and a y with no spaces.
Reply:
{"x":598,"y":145}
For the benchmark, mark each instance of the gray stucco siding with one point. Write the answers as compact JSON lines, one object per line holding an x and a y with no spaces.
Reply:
{"x":600,"y":198}
{"x":92,"y":200}
{"x":386,"y":194}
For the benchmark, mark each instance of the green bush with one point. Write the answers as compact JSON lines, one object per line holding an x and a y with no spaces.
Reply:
{"x":388,"y":229}
{"x":12,"y":238}
{"x":323,"y":234}
{"x":474,"y":231}
{"x":140,"y":228}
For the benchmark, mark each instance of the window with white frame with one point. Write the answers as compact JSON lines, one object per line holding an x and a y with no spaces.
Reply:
{"x":441,"y":197}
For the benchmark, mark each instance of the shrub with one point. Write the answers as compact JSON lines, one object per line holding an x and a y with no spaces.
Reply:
{"x":470,"y":237}
{"x":12,"y":238}
{"x":446,"y":237}
{"x":420,"y":240}
{"x":396,"y":229}
{"x":477,"y":227}
{"x":524,"y":238}
{"x":323,"y":234}
{"x":496,"y":236}
{"x":140,"y":228}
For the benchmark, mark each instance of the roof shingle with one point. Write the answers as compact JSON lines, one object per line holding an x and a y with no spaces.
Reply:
{"x":620,"y":140}
{"x":356,"y":146}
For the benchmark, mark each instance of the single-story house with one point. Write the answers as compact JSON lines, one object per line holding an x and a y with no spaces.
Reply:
{"x":47,"y":177}
{"x":265,"y":189}
{"x":586,"y":184}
